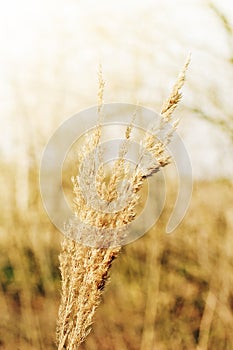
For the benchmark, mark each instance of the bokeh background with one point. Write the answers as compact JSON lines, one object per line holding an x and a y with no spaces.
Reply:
{"x":166,"y":291}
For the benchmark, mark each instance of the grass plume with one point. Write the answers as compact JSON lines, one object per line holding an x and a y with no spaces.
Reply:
{"x":85,"y":270}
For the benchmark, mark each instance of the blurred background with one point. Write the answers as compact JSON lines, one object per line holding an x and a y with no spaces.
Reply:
{"x":166,"y":291}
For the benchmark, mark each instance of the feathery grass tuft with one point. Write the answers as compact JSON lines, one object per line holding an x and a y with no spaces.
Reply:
{"x":85,"y":270}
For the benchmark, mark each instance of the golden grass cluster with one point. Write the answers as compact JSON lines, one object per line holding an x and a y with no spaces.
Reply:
{"x":84,"y":270}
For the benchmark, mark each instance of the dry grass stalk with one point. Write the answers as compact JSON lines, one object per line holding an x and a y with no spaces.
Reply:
{"x":84,"y":270}
{"x":171,"y":103}
{"x":206,"y":320}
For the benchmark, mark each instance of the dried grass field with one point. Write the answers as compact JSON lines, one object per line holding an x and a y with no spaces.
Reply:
{"x":166,"y":291}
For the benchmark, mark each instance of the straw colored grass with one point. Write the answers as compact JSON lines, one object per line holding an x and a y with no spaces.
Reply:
{"x":85,"y":270}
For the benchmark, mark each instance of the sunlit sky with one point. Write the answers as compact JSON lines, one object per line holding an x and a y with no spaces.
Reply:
{"x":51,"y":49}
